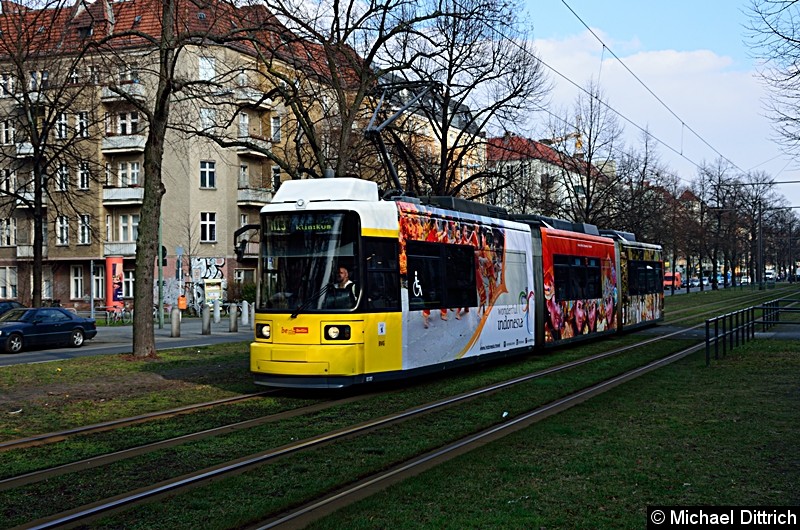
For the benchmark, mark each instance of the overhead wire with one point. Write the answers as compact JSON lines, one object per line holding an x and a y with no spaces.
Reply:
{"x":649,"y":90}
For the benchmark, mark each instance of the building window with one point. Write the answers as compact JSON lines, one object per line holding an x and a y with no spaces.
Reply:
{"x":208,"y":174}
{"x":7,"y":84}
{"x":99,"y":282}
{"x":8,"y":232}
{"x":276,"y":129}
{"x":128,"y":73}
{"x":8,"y":282}
{"x":127,"y":284}
{"x":244,"y":125}
{"x":74,"y":76}
{"x":244,"y":275}
{"x":61,"y":125}
{"x":127,"y":123}
{"x":62,"y":230}
{"x":84,"y":229}
{"x":9,"y":132}
{"x":109,"y":229}
{"x":47,"y":282}
{"x":208,"y":118}
{"x":83,"y":176}
{"x":206,"y":71}
{"x":128,"y":227}
{"x":76,"y":281}
{"x":82,"y":124}
{"x":208,"y":227}
{"x":122,"y":174}
{"x":244,"y":177}
{"x":63,"y":178}
{"x":8,"y":181}
{"x":134,"y":177}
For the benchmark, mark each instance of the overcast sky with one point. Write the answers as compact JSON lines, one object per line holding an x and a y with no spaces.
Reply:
{"x":692,"y":55}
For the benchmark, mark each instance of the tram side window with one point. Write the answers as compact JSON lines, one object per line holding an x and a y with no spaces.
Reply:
{"x":460,"y":264}
{"x":644,"y":277}
{"x":440,"y":275}
{"x":383,"y":277}
{"x":576,"y":277}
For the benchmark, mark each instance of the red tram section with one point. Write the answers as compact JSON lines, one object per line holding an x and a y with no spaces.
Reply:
{"x":579,"y":286}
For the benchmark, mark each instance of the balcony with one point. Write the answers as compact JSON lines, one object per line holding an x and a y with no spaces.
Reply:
{"x":262,"y":143}
{"x":26,"y":251}
{"x":127,"y":143}
{"x":123,"y":196}
{"x":253,"y":196}
{"x":252,"y":97}
{"x":26,"y":199}
{"x":24,"y":149}
{"x":123,"y":93}
{"x":119,"y":248}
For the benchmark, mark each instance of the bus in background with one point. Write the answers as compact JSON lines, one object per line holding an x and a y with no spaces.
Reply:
{"x":672,"y":280}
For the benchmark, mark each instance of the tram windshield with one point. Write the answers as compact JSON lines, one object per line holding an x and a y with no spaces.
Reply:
{"x":302,"y":256}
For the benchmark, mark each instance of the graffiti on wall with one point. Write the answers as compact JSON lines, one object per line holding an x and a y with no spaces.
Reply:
{"x":200,"y":269}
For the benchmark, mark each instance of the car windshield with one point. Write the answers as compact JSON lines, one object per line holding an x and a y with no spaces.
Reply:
{"x":15,"y":315}
{"x":301,"y":256}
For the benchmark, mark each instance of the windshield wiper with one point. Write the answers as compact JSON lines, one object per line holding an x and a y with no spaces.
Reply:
{"x":311,"y":299}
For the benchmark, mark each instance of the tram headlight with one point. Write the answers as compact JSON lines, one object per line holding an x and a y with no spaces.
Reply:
{"x":265,"y":331}
{"x":338,"y":332}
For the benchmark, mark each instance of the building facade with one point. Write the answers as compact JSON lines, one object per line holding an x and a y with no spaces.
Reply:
{"x":75,"y":120}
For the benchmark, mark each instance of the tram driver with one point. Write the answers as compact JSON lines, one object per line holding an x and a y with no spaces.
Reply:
{"x":344,"y":293}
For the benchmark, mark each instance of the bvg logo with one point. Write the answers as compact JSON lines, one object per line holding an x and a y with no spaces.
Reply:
{"x":294,"y":331}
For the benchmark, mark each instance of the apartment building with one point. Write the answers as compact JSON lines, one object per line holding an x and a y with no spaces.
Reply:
{"x":76,"y":116}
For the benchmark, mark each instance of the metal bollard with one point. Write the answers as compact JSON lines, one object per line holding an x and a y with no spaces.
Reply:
{"x":233,"y":313}
{"x":206,"y":320}
{"x":175,"y":320}
{"x":216,"y":311}
{"x":245,"y":313}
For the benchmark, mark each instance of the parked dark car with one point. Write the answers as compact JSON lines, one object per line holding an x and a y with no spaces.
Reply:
{"x":6,"y":305}
{"x":43,"y":326}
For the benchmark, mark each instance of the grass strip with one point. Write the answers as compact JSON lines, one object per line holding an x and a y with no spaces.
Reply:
{"x":683,"y":435}
{"x":295,"y":479}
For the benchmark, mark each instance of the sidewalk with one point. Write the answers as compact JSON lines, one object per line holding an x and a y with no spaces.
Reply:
{"x":189,"y":328}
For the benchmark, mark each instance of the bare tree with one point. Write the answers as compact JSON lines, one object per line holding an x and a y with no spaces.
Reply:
{"x":328,"y":65}
{"x":775,"y":40}
{"x":49,"y":126}
{"x":759,"y":196}
{"x":488,"y":77}
{"x":161,"y":58}
{"x":722,"y":221}
{"x":640,"y":205}
{"x":588,"y":178}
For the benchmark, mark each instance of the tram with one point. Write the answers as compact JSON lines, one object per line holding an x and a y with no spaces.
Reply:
{"x":357,"y":290}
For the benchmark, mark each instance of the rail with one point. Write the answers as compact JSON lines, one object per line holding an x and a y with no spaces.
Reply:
{"x":738,"y":327}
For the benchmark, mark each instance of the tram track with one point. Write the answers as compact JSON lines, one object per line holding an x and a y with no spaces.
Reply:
{"x":100,"y":508}
{"x":303,"y":515}
{"x":202,"y":477}
{"x":707,"y":308}
{"x":52,"y":437}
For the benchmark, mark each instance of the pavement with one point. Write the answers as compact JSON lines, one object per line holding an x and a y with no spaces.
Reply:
{"x":118,"y":339}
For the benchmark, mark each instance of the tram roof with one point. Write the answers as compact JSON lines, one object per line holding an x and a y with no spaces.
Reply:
{"x":361,"y":196}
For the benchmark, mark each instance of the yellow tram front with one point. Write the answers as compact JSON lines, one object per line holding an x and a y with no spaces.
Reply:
{"x":328,"y":313}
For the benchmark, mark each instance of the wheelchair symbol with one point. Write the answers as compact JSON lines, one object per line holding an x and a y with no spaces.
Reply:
{"x":416,"y":286}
